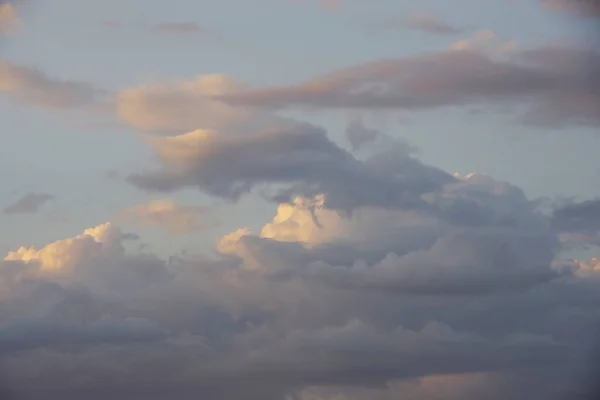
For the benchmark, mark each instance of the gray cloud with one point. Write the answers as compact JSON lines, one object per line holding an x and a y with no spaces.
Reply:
{"x":30,"y":203}
{"x":381,"y":301}
{"x":555,"y":84}
{"x":581,"y":8}
{"x":179,"y":28}
{"x":359,"y":135}
{"x":431,"y":23}
{"x":581,"y":217}
{"x":33,"y":86}
{"x":299,"y":156}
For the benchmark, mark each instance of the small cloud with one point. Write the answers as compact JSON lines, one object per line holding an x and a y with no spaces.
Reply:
{"x":9,"y":19}
{"x":28,"y":204}
{"x":485,"y":41}
{"x":179,"y":28}
{"x":114,"y":24}
{"x":172,"y":217}
{"x":112,"y":175}
{"x":33,"y":86}
{"x":331,"y":5}
{"x":431,"y":23}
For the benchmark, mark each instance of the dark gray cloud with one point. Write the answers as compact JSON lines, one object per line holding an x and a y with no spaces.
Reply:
{"x":30,"y":203}
{"x":555,"y":84}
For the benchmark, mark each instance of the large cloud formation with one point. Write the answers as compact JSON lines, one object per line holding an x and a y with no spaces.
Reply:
{"x":464,"y":295}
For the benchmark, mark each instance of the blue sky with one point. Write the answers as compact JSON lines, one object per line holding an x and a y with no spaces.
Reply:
{"x":291,"y":64}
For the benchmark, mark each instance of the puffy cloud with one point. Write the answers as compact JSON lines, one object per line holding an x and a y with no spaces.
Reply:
{"x":431,"y":23}
{"x":173,"y":217}
{"x":300,"y":156}
{"x":9,"y":19}
{"x":68,"y":253}
{"x":483,"y":236}
{"x":131,"y":324}
{"x":555,"y":84}
{"x":30,"y":203}
{"x":179,"y":28}
{"x":32,"y":86}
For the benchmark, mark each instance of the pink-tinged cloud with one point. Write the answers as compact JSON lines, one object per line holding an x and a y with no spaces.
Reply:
{"x":579,"y":8}
{"x":9,"y":19}
{"x":556,"y":85}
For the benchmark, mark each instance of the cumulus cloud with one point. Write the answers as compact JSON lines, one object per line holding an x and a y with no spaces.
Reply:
{"x":431,"y":23}
{"x":179,"y":28}
{"x":378,"y":302}
{"x":554,"y":84}
{"x":9,"y":19}
{"x":30,"y":203}
{"x":32,"y":86}
{"x":173,"y":217}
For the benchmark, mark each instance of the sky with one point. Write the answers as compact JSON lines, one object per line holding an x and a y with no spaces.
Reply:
{"x":299,"y":199}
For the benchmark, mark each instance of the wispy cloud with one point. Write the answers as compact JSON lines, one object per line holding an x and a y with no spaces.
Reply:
{"x":32,"y":86}
{"x":179,"y":28}
{"x":431,"y":23}
{"x":28,"y":204}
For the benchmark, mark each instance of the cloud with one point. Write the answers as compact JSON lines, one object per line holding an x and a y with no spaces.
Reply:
{"x":9,"y":19}
{"x":300,"y":157}
{"x":32,"y":86}
{"x":578,"y":217}
{"x":430,"y":23}
{"x":184,"y":106}
{"x":377,"y":302}
{"x":30,"y":203}
{"x":174,"y":218}
{"x":179,"y":28}
{"x":359,"y":135}
{"x":580,"y":8}
{"x":485,"y":41}
{"x":554,"y":84}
